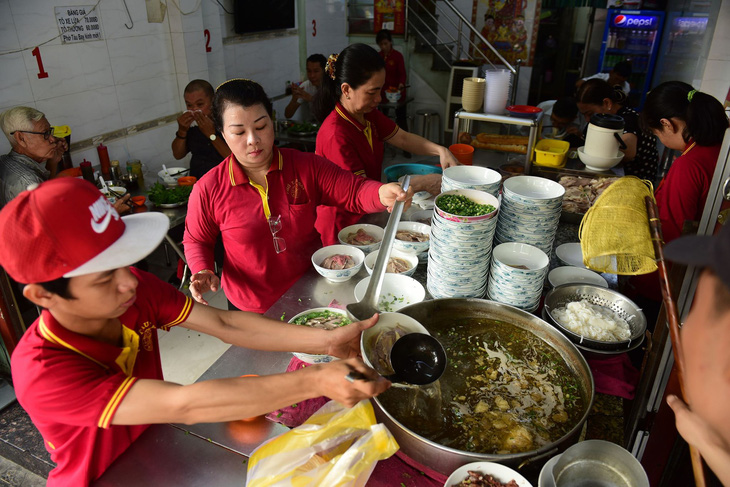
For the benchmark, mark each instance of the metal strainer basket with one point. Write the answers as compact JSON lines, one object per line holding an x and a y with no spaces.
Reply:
{"x":624,"y":307}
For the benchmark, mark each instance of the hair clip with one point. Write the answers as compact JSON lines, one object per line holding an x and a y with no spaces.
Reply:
{"x":690,"y":95}
{"x":330,"y":66}
{"x":232,"y":79}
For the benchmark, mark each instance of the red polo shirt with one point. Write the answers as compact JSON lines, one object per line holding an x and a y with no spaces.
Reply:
{"x":355,"y":147}
{"x":72,"y":385}
{"x":682,"y":194}
{"x":395,"y":71}
{"x":225,"y":202}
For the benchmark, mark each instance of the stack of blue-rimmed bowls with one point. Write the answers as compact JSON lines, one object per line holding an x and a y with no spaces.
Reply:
{"x":461,"y":246}
{"x":517,"y":275}
{"x":530,"y":211}
{"x":471,"y":177}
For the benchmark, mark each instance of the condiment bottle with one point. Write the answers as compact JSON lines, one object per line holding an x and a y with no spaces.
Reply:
{"x":104,"y":160}
{"x":87,"y":172}
{"x":116,"y":174}
{"x":137,"y":169}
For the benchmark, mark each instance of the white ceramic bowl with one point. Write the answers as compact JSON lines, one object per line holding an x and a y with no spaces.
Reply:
{"x":533,"y":189}
{"x":570,"y":254}
{"x":413,"y":247}
{"x":421,"y":216}
{"x":397,"y":292}
{"x":117,"y":189}
{"x":481,"y":197}
{"x":373,"y":230}
{"x":472,"y":175}
{"x":386,"y":321}
{"x":499,"y":472}
{"x":597,"y":163}
{"x":513,"y":253}
{"x":412,"y":260}
{"x":575,"y":275}
{"x":341,"y":275}
{"x":392,"y":96}
{"x":313,"y":358}
{"x":170,"y":179}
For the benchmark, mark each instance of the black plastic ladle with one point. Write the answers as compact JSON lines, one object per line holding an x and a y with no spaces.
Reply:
{"x":416,"y":358}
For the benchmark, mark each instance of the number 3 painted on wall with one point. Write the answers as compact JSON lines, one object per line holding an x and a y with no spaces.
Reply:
{"x":207,"y":40}
{"x":314,"y":28}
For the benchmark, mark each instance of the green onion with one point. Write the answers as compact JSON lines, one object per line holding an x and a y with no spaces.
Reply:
{"x":460,"y":205}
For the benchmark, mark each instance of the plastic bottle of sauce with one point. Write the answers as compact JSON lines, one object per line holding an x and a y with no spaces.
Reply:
{"x":87,"y":171}
{"x":114,"y":171}
{"x":104,"y":161}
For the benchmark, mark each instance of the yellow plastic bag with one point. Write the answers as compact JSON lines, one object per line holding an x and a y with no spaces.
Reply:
{"x":336,"y":447}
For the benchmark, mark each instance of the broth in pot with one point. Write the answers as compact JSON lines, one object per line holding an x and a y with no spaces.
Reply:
{"x":505,"y":391}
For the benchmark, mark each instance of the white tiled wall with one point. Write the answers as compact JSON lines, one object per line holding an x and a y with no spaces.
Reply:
{"x":330,"y":18}
{"x":716,"y":77}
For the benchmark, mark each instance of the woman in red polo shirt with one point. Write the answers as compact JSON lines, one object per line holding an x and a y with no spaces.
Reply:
{"x":262,"y":201}
{"x":693,"y":122}
{"x":395,"y":73}
{"x":353,"y":131}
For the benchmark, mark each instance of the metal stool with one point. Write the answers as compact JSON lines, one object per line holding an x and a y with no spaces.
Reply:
{"x":426,"y":117}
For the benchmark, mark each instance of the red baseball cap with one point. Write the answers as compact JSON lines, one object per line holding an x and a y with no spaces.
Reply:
{"x":65,"y":228}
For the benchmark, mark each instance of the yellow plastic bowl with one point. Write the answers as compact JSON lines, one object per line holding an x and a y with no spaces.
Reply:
{"x":551,"y":152}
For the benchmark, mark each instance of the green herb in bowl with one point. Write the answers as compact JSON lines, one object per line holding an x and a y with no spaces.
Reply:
{"x":161,"y":195}
{"x":327,"y":320}
{"x":460,"y":205}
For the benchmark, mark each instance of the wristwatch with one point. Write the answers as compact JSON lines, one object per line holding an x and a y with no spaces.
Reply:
{"x":212,"y":137}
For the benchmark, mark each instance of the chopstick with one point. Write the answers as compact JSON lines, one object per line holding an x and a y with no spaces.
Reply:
{"x":179,"y":173}
{"x":673,"y":318}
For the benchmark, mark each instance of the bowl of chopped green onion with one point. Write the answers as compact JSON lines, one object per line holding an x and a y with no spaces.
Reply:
{"x":466,"y":206}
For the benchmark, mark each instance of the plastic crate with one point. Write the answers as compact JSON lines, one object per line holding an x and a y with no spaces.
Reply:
{"x":551,"y":153}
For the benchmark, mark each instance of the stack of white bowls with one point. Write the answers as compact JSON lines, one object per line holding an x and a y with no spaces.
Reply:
{"x":471,"y":177}
{"x":517,"y":275}
{"x":461,"y":246}
{"x":530,"y":211}
{"x":497,"y":92}
{"x":472,"y":94}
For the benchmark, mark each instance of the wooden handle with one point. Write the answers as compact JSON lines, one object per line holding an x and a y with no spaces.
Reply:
{"x":655,"y":227}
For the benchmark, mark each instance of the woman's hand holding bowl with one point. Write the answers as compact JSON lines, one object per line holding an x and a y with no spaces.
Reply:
{"x":344,"y":342}
{"x":201,"y":283}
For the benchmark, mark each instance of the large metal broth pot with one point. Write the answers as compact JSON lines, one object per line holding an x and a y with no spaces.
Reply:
{"x":444,"y":459}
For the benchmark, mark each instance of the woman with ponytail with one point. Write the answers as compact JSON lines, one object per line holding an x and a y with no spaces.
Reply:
{"x":693,"y":122}
{"x":641,"y":158}
{"x":353,"y":131}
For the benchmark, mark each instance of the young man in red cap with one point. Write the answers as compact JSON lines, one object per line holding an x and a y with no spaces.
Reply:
{"x":88,"y":370}
{"x":705,"y":336}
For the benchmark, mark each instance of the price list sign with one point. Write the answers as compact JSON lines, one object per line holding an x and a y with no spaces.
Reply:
{"x":78,"y":24}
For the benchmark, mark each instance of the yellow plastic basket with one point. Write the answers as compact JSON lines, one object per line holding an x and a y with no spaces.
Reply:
{"x":551,"y":152}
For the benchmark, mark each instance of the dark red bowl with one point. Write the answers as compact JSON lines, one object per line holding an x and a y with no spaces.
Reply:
{"x":523,"y":111}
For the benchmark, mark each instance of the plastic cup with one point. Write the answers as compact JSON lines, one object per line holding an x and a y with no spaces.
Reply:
{"x":463,"y":153}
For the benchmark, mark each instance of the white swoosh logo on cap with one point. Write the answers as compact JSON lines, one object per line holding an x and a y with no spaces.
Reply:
{"x":100,"y":227}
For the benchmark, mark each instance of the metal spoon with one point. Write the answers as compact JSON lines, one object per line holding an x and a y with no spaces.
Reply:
{"x":368,"y":306}
{"x":416,"y":358}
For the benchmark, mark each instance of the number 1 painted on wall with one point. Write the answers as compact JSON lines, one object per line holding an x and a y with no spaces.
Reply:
{"x":37,"y":54}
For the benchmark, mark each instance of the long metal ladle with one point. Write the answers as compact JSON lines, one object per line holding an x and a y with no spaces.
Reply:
{"x":368,"y":306}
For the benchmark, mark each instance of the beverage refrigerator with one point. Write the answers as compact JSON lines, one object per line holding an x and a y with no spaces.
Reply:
{"x":684,"y":47}
{"x":634,"y":36}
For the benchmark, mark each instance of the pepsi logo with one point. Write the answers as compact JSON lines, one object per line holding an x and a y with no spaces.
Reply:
{"x":619,"y":20}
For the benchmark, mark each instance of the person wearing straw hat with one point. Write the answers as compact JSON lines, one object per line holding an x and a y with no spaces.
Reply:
{"x":705,"y":338}
{"x":88,"y":370}
{"x":353,"y":132}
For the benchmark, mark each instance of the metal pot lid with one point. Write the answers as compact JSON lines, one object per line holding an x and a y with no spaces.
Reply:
{"x":607,"y":121}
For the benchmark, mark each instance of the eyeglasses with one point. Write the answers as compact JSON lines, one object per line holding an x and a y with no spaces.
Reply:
{"x":45,"y":134}
{"x":275,"y":227}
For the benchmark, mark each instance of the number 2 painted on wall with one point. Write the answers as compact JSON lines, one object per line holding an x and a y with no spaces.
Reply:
{"x":207,"y":40}
{"x":37,"y":54}
{"x":314,"y":28}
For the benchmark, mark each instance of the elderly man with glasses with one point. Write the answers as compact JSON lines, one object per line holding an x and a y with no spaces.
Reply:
{"x":34,"y":153}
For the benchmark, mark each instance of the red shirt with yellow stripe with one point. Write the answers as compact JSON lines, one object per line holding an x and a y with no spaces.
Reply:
{"x":226,"y":202}
{"x":72,"y":385}
{"x":357,"y":148}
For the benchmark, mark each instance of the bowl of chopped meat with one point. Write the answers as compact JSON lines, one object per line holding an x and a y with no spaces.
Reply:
{"x":338,"y":263}
{"x":363,"y":236}
{"x":412,"y":237}
{"x":324,"y":318}
{"x":486,"y":474}
{"x":398,"y":262}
